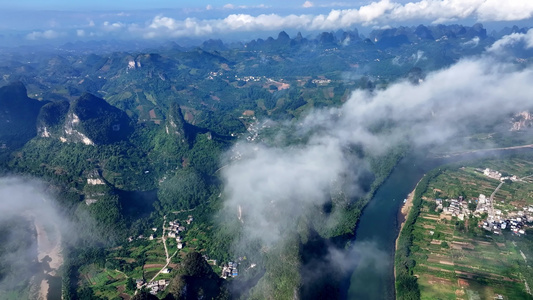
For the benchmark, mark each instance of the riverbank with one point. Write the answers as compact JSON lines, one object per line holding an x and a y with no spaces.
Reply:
{"x":49,"y":254}
{"x":406,"y":208}
{"x":404,"y":211}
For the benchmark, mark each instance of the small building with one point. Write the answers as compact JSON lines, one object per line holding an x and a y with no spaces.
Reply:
{"x":139,"y":283}
{"x":165,"y":271}
{"x":151,"y":237}
{"x":180,"y":245}
{"x":162,"y":282}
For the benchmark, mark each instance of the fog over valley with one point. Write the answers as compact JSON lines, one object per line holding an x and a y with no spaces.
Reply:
{"x":248,"y":150}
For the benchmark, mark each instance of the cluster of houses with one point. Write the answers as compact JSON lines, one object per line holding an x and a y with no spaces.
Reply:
{"x":250,"y":78}
{"x":515,"y":221}
{"x":154,"y":286}
{"x":321,"y":81}
{"x":498,"y":176}
{"x":175,"y":228}
{"x":212,"y":75}
{"x":516,"y":225}
{"x":496,"y":221}
{"x":229,"y":270}
{"x":456,"y":208}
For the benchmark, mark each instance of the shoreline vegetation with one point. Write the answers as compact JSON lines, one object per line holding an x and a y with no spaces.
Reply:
{"x":404,"y":212}
{"x":406,"y":285}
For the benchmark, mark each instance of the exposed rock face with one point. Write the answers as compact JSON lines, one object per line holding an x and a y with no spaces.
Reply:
{"x":88,"y":120}
{"x":72,"y":134}
{"x":521,"y":121}
{"x":176,"y":123}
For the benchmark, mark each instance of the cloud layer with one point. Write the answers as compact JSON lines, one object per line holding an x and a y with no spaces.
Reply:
{"x":380,"y":13}
{"x":273,"y":186}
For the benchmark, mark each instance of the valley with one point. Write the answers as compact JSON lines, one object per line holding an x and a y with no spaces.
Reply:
{"x":258,"y":170}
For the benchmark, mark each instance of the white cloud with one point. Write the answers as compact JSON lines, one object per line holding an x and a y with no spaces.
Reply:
{"x":115,"y":26}
{"x":80,"y":32}
{"x":510,"y":10}
{"x":47,"y":34}
{"x":378,"y":13}
{"x":472,"y":43}
{"x":513,"y":39}
{"x":308,"y":4}
{"x":275,"y":185}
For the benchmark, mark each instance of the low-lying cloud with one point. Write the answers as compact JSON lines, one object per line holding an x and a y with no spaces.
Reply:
{"x":28,"y":206}
{"x":272,"y":186}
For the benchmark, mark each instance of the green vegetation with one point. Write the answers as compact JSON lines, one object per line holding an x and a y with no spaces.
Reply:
{"x":440,"y":256}
{"x":147,"y":141}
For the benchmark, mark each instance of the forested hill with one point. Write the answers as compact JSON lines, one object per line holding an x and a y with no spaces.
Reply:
{"x":134,"y":140}
{"x":18,"y":115}
{"x":217,"y":79}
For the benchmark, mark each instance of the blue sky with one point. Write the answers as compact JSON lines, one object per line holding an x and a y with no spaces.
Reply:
{"x":136,"y":4}
{"x":37,"y":20}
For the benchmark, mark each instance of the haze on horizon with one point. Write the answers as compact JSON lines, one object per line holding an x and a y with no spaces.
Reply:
{"x":60,"y":21}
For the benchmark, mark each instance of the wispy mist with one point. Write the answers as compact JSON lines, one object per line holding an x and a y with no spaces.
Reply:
{"x":34,"y":231}
{"x":272,"y":186}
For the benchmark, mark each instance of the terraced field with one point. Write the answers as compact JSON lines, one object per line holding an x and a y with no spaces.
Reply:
{"x":452,"y":264}
{"x":459,"y":260}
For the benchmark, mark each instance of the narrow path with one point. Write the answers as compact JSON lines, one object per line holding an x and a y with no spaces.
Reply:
{"x":166,"y":265}
{"x":444,"y":155}
{"x":183,"y":210}
{"x":491,"y":199}
{"x":529,"y":176}
{"x":122,"y":273}
{"x":164,"y":238}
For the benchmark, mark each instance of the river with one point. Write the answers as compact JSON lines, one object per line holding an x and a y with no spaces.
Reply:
{"x":373,"y":247}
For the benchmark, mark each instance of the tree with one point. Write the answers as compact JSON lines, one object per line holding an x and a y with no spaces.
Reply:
{"x":195,"y":280}
{"x":183,"y":191}
{"x":432,"y":206}
{"x":144,"y":295}
{"x":130,"y":285}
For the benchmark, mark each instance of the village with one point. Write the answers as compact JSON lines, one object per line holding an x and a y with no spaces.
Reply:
{"x":176,"y":230}
{"x":494,"y":218}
